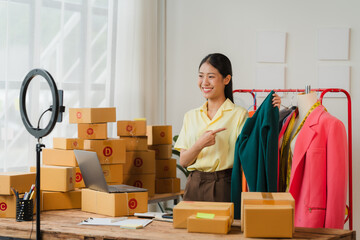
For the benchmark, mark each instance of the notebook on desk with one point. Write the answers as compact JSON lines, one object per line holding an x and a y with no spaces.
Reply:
{"x":94,"y":177}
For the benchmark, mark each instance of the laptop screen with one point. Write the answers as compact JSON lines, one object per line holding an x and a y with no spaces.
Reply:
{"x":91,"y":170}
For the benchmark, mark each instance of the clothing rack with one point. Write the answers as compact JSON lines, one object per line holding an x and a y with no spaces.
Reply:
{"x":323,"y":91}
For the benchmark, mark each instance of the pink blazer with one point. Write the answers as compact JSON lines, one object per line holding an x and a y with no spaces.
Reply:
{"x":319,"y":172}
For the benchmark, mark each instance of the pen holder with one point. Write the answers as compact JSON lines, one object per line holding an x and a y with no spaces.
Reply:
{"x":24,"y":210}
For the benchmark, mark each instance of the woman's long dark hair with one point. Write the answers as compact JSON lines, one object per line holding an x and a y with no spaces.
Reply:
{"x":223,"y":65}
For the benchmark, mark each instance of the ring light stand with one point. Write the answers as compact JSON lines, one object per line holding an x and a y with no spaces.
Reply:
{"x":37,"y":132}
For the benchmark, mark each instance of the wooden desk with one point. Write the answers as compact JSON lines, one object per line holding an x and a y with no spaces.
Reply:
{"x":64,"y":225}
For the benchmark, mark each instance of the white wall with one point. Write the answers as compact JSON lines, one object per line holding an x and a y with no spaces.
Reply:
{"x":196,"y":28}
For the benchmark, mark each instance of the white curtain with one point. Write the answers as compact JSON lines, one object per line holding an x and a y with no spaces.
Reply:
{"x":137,"y":79}
{"x":101,"y":53}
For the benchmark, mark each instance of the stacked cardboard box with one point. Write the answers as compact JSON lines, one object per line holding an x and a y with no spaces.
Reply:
{"x":160,"y":140}
{"x":267,"y":215}
{"x":206,"y":217}
{"x":21,"y":182}
{"x":139,"y":168}
{"x":60,"y":175}
{"x":92,"y":130}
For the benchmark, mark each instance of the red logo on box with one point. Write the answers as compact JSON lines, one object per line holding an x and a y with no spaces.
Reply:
{"x":132,"y":203}
{"x":166,"y":168}
{"x":138,"y":162}
{"x":138,"y":183}
{"x":78,"y":115}
{"x":3,"y":206}
{"x":107,"y":151}
{"x":70,"y":180}
{"x":129,"y":128}
{"x":162,"y":134}
{"x":106,"y":172}
{"x":75,"y":144}
{"x":78,"y":177}
{"x":90,"y":131}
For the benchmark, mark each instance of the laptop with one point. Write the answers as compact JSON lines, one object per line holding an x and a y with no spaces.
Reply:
{"x":93,"y":175}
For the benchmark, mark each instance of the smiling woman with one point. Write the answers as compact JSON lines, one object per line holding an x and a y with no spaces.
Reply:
{"x":207,"y":138}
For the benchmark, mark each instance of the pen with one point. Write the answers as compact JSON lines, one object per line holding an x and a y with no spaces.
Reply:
{"x":15,"y":193}
{"x":32,"y":194}
{"x":31,"y":190}
{"x":25,"y":196}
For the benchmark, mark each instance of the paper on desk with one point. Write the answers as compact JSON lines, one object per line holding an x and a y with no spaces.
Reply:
{"x":115,"y":222}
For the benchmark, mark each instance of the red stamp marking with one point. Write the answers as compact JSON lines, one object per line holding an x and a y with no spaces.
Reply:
{"x":78,"y":177}
{"x":132,"y":203}
{"x":138,"y":162}
{"x":3,"y":206}
{"x":90,"y":131}
{"x":138,"y":183}
{"x":107,"y":151}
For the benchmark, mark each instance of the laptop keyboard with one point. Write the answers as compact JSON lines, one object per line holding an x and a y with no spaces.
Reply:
{"x":114,"y":189}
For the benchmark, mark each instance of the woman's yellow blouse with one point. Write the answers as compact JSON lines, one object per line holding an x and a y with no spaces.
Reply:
{"x":221,"y":155}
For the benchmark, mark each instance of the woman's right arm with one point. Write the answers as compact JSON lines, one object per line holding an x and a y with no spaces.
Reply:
{"x":188,"y":156}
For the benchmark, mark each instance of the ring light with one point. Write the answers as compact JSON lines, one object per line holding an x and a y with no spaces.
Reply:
{"x":37,"y":132}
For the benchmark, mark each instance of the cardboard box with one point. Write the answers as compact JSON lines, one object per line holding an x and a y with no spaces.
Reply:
{"x":185,"y":209}
{"x":113,"y":172}
{"x":131,"y":128}
{"x":268,"y":221}
{"x":159,"y":134}
{"x":21,"y":182}
{"x":218,"y":224}
{"x":92,"y":115}
{"x":166,"y":168}
{"x":92,"y":130}
{"x":135,"y":143}
{"x":162,"y":151}
{"x":146,"y":181}
{"x":56,"y":178}
{"x":258,"y":198}
{"x":68,"y":143}
{"x":7,"y":206}
{"x":140,"y":162}
{"x":59,"y":157}
{"x":110,"y":151}
{"x":60,"y":200}
{"x":79,"y":181}
{"x":167,"y":185}
{"x":114,"y":204}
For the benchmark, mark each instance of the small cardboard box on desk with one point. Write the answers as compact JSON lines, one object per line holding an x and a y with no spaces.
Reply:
{"x":114,"y":204}
{"x":209,"y":223}
{"x":21,"y":182}
{"x":183,"y":210}
{"x":267,"y":215}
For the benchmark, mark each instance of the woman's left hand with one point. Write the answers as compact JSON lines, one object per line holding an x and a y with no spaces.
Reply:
{"x":276,"y":100}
